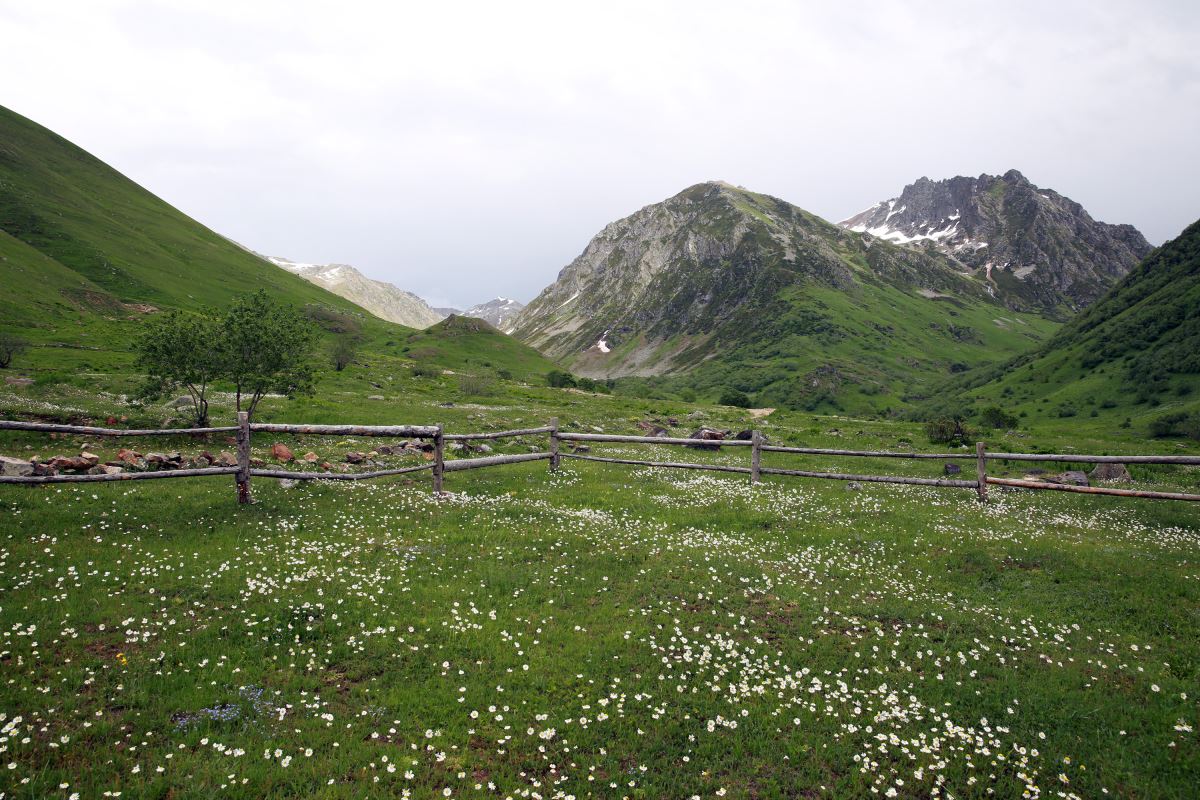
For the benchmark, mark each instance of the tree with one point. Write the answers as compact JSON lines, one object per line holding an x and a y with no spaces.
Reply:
{"x":948,"y":430}
{"x":267,"y":347}
{"x":181,"y":351}
{"x":344,"y":349}
{"x":996,"y":417}
{"x":11,"y":346}
{"x":560,"y":380}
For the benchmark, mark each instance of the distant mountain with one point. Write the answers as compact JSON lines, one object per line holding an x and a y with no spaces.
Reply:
{"x":1136,"y":351}
{"x":499,"y":312}
{"x":719,"y":286}
{"x":382,"y":299}
{"x":1036,"y":249}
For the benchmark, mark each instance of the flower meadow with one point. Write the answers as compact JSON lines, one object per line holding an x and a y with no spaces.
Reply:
{"x":602,"y":632}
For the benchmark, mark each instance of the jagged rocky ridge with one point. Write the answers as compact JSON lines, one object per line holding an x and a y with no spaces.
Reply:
{"x":1035,"y":248}
{"x":500,"y":312}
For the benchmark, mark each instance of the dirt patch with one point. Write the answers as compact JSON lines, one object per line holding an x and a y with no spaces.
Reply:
{"x":759,"y":413}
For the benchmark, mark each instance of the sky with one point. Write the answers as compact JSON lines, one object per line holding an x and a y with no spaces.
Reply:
{"x":468,"y":150}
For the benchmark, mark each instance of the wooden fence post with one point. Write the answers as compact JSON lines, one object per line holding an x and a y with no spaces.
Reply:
{"x":756,"y":438}
{"x":243,"y":458}
{"x":439,"y":459}
{"x":981,"y":471}
{"x":554,"y":460}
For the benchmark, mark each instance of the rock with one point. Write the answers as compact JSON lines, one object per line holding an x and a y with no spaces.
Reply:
{"x":12,"y":380}
{"x":281,"y":452}
{"x":326,"y":466}
{"x":853,"y":486}
{"x":446,"y":405}
{"x":951,"y":469}
{"x":673,"y":422}
{"x":744,"y":436}
{"x":225,"y":459}
{"x":710,"y":436}
{"x":1114,"y":473}
{"x":483,"y":448}
{"x":15,"y":467}
{"x":202,"y":461}
{"x":287,"y":483}
{"x":92,"y":458}
{"x":182,"y":402}
{"x":1071,"y":477}
{"x":43,"y":469}
{"x":581,"y":448}
{"x":105,"y":469}
{"x":696,"y":415}
{"x":125,"y":454}
{"x":384,"y":450}
{"x":70,"y":464}
{"x":311,"y":458}
{"x":455,"y":446}
{"x":257,"y":462}
{"x":355,"y":458}
{"x":376,"y":397}
{"x":163,"y":458}
{"x":597,"y":429}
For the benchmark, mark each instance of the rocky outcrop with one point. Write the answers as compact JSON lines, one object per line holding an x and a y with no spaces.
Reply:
{"x":499,"y":313}
{"x":380,"y":298}
{"x":1036,"y":248}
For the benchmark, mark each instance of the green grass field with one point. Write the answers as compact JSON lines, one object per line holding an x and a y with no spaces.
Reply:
{"x":606,"y":631}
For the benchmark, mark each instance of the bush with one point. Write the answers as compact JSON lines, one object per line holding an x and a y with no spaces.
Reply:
{"x":1179,"y":424}
{"x":345,"y":347}
{"x":426,"y":371}
{"x":996,"y":417}
{"x":948,"y":430}
{"x":560,"y":380}
{"x":475,"y":385}
{"x":11,"y":346}
{"x":687,"y":395}
{"x":734,"y":397}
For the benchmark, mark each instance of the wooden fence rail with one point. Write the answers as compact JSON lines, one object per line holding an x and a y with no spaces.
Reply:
{"x":244,"y":430}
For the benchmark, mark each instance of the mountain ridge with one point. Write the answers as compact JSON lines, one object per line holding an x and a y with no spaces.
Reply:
{"x":1035,"y":248}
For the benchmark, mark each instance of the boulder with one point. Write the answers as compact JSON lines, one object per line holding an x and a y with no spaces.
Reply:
{"x":384,"y":450}
{"x":1114,"y":473}
{"x":1072,"y":477}
{"x":126,"y":454}
{"x":853,"y":486}
{"x":744,"y":436}
{"x":581,"y":448}
{"x":91,"y":458}
{"x":105,"y":469}
{"x":225,"y":459}
{"x":311,"y":457}
{"x":69,"y":464}
{"x":483,"y":448}
{"x":951,"y":469}
{"x":376,"y":397}
{"x":287,"y":483}
{"x":281,"y":452}
{"x":15,"y":467}
{"x":355,"y":458}
{"x":202,"y":461}
{"x":326,"y":466}
{"x":710,"y":438}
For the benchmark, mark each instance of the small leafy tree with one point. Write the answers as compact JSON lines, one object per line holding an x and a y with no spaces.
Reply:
{"x":268,"y":347}
{"x":948,"y":430}
{"x":345,"y":347}
{"x":996,"y":417}
{"x":11,"y":346}
{"x":181,"y":351}
{"x":560,"y":380}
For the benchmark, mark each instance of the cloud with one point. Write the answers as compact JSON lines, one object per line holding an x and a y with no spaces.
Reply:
{"x":471,"y":149}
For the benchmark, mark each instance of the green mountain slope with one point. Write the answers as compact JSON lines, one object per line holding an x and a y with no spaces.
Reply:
{"x":87,"y":255}
{"x":718,"y":286}
{"x":1134,"y":353}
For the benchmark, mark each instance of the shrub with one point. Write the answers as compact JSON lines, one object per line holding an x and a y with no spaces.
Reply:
{"x":475,"y":385}
{"x":425,"y":371}
{"x":996,"y":417}
{"x":11,"y":346}
{"x":560,"y":380}
{"x":345,"y":347}
{"x":734,"y":397}
{"x":948,"y":430}
{"x":687,"y":394}
{"x":1179,"y":424}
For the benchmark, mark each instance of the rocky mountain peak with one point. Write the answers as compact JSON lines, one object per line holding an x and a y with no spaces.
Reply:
{"x":1035,"y":248}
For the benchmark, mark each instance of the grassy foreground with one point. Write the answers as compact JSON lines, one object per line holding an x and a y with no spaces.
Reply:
{"x":607,"y":632}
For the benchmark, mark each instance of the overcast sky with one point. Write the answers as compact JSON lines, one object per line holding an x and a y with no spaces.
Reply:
{"x":468,"y":150}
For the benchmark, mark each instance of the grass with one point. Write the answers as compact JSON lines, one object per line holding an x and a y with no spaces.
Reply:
{"x":603,"y":632}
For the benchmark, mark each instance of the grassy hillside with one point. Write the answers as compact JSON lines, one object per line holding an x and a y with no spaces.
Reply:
{"x":86,"y":256}
{"x":1133,"y":355}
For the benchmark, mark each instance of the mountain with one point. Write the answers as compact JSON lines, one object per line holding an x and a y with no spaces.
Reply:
{"x":1036,"y":249}
{"x":1135,"y":352}
{"x":382,"y":299}
{"x":500,"y":312}
{"x":719,"y":286}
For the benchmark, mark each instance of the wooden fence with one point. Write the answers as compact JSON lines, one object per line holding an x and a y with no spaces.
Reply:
{"x":439,"y":466}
